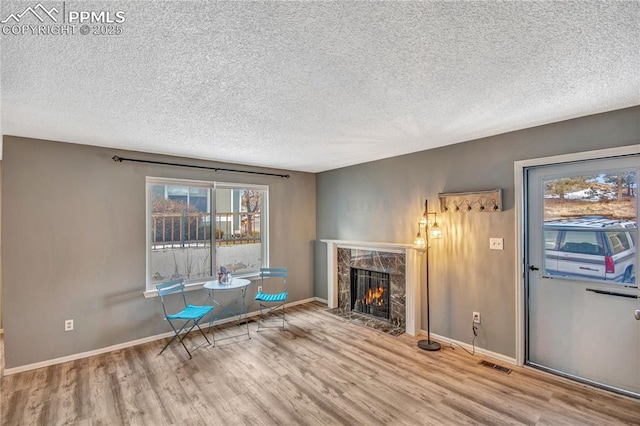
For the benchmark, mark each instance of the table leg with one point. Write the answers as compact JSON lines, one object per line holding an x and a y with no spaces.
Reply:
{"x":244,"y":311}
{"x":229,"y":309}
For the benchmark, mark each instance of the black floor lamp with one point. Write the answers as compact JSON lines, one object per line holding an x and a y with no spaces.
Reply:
{"x":431,"y":231}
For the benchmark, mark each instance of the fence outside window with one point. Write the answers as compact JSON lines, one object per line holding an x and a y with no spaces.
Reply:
{"x":194,"y":229}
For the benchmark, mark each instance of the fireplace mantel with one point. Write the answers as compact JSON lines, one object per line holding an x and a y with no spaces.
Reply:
{"x":412,"y":280}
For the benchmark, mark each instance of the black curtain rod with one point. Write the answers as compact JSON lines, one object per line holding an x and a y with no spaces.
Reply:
{"x":215,"y":169}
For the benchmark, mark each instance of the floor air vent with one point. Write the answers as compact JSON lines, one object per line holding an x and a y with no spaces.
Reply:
{"x":500,"y":368}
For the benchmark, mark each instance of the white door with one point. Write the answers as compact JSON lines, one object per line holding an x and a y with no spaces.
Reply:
{"x":582,"y":260}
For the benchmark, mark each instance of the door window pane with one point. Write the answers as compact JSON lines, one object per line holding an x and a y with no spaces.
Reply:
{"x":610,"y":195}
{"x":590,"y":226}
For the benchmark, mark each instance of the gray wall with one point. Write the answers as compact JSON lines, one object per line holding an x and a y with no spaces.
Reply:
{"x":382,"y":201}
{"x":73,"y":245}
{"x":0,"y":242}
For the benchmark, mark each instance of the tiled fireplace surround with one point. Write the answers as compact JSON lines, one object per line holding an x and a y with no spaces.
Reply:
{"x":400,"y":260}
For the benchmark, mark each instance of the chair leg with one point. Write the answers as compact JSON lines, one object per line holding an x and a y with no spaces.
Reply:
{"x":270,"y":310}
{"x":282,"y":316}
{"x":195,"y":324}
{"x":185,"y":348}
{"x":202,"y":332}
{"x":167,"y":345}
{"x":180,"y":339}
{"x":260,"y":317}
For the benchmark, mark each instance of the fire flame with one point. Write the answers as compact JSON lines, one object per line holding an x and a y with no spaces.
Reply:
{"x":374,"y":298}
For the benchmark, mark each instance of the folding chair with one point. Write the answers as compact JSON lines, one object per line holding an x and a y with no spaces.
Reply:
{"x":270,"y":301}
{"x":190,"y":314}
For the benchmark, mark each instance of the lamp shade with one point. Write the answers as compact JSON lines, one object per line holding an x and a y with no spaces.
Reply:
{"x":419,"y":243}
{"x":435,"y":232}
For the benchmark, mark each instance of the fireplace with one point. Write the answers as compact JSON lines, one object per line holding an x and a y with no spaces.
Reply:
{"x":370,"y":291}
{"x":400,"y":261}
{"x":371,"y":286}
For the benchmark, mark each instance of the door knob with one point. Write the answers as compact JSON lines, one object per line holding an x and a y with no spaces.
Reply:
{"x":533,"y":268}
{"x":637,"y":314}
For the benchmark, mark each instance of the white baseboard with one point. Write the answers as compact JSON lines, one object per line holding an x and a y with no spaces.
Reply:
{"x":317,"y":299}
{"x":299,"y":302}
{"x":73,"y":357}
{"x":469,"y":347}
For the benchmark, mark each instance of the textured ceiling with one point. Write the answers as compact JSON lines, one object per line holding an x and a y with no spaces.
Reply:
{"x":313,"y":86}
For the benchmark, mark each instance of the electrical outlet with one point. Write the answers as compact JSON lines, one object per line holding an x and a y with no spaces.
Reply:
{"x":259,"y":288}
{"x":496,"y":243}
{"x":476,"y":317}
{"x":68,"y":325}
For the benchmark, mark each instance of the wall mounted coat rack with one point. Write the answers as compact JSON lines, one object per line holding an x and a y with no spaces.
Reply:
{"x":478,"y":201}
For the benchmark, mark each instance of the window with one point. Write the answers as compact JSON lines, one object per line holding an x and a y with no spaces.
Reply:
{"x":584,"y":242}
{"x":551,"y":239}
{"x":590,"y":226}
{"x":618,"y":242}
{"x":186,"y":220}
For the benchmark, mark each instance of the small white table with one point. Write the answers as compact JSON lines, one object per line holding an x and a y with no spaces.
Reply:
{"x":236,"y":284}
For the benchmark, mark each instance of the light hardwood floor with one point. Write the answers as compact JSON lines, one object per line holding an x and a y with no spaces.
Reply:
{"x":322,"y":370}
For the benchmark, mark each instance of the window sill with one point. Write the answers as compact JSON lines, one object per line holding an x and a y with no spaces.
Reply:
{"x":199,"y":285}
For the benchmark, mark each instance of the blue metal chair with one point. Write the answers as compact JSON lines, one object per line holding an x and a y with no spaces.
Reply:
{"x":270,"y":301}
{"x":191,"y":314}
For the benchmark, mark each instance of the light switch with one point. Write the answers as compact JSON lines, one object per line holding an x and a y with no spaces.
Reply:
{"x":496,"y":243}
